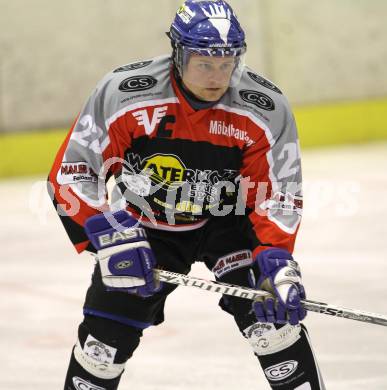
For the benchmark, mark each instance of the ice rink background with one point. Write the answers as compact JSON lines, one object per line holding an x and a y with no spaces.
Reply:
{"x":343,"y":254}
{"x":302,"y":46}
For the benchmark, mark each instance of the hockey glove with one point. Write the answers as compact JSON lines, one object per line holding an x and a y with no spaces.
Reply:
{"x":124,"y":255}
{"x":274,"y":270}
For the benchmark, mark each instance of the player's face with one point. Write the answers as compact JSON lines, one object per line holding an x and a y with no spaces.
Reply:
{"x":208,"y":77}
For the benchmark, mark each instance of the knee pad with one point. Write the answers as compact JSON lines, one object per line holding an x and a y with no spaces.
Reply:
{"x":104,"y":346}
{"x":266,"y":339}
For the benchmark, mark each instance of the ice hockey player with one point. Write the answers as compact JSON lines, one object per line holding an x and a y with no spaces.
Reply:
{"x":205,"y":158}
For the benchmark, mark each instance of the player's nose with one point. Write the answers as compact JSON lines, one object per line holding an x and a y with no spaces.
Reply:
{"x":216,"y":79}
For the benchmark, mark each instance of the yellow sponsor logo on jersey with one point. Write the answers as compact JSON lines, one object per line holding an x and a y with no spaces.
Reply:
{"x":189,"y":207}
{"x":166,"y":169}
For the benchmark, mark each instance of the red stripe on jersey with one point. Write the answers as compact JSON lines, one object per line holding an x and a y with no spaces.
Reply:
{"x":68,"y":202}
{"x":59,"y":157}
{"x":82,"y":246}
{"x":256,"y":169}
{"x":268,"y":232}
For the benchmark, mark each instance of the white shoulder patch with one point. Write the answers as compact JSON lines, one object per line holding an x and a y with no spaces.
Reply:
{"x":75,"y":172}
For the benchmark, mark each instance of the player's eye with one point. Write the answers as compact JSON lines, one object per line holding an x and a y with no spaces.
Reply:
{"x":203,"y":66}
{"x":227,"y":67}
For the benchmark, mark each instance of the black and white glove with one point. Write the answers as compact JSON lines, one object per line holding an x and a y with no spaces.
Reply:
{"x":124,"y":255}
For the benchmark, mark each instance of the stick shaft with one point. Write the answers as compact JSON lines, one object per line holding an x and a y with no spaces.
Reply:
{"x":249,"y":293}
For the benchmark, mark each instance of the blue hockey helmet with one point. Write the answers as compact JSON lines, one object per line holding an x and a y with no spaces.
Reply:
{"x":209,"y":28}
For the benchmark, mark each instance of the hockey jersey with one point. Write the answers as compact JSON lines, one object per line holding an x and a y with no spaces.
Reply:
{"x":174,"y":167}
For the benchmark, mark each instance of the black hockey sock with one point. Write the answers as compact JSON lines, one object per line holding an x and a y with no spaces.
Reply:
{"x":293,"y":368}
{"x":78,"y":378}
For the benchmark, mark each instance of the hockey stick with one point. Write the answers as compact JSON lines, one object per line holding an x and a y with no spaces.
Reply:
{"x":249,"y":293}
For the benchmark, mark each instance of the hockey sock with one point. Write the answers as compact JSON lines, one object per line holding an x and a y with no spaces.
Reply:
{"x":293,"y":368}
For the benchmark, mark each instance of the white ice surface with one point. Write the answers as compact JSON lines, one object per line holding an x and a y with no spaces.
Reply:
{"x":342,"y":249}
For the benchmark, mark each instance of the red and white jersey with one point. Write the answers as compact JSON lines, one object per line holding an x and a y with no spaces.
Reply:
{"x":175,"y":167}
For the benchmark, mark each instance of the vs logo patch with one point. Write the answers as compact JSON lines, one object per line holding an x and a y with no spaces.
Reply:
{"x":259,"y":99}
{"x":137,"y":83}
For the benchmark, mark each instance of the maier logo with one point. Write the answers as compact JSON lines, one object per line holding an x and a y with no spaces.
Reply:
{"x":75,"y":172}
{"x":281,"y":371}
{"x":232,"y":261}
